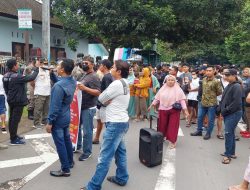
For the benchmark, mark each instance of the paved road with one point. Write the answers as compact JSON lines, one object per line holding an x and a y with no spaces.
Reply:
{"x":194,"y":165}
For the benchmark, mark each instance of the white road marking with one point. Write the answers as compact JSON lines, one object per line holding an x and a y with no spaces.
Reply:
{"x":37,"y":136}
{"x":20,"y":162}
{"x":166,"y":179}
{"x":47,"y":155}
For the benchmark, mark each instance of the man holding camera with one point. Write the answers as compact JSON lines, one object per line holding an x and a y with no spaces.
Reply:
{"x":42,"y":95}
{"x":14,"y":86}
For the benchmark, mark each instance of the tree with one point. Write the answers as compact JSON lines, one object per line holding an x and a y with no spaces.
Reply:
{"x":120,"y":23}
{"x":238,"y":43}
{"x":190,"y":26}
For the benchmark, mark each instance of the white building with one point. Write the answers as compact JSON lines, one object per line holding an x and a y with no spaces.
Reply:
{"x":12,"y":40}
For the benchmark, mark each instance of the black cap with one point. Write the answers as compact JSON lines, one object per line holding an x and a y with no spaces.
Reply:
{"x":231,"y":72}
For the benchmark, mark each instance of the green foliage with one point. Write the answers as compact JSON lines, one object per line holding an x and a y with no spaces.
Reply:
{"x":238,"y":43}
{"x":72,"y":43}
{"x":186,"y":29}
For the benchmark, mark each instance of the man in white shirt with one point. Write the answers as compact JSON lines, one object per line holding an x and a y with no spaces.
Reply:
{"x":192,"y":98}
{"x":42,"y":95}
{"x":116,"y":98}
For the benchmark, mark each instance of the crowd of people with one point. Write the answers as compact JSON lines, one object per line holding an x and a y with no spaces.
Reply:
{"x":114,"y":93}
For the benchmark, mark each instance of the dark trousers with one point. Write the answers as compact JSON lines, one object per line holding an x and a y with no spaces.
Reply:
{"x":15,"y":117}
{"x":231,"y":122}
{"x":61,"y":137}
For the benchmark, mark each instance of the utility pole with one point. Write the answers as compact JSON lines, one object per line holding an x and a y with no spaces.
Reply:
{"x":27,"y":47}
{"x":46,"y":30}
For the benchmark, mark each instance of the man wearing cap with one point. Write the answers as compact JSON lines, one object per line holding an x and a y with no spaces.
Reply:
{"x":42,"y":95}
{"x":211,"y":88}
{"x":231,"y":110}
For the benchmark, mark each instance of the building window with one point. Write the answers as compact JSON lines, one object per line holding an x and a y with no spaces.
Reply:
{"x":31,"y":37}
{"x":22,"y":35}
{"x":12,"y":34}
{"x":17,"y":34}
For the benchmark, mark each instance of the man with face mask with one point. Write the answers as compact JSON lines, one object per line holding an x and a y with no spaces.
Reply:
{"x":91,"y":88}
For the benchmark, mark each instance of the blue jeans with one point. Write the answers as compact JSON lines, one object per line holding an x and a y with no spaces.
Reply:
{"x":86,"y":124}
{"x":231,"y":122}
{"x":113,"y":146}
{"x":202,"y":112}
{"x":63,"y":144}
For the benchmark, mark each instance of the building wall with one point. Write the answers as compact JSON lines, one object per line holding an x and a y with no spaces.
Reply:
{"x":97,"y":50}
{"x":9,"y":33}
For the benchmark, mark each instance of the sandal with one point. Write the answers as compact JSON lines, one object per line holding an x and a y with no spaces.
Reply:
{"x":194,"y":122}
{"x":95,"y":142}
{"x":188,"y":125}
{"x":112,"y":179}
{"x":232,"y":156}
{"x":226,"y":160}
{"x":83,"y":188}
{"x":220,"y":137}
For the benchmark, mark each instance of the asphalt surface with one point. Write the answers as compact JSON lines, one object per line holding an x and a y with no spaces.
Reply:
{"x":196,"y":165}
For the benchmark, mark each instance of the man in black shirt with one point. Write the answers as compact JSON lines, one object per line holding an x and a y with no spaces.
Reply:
{"x":14,"y":86}
{"x":91,"y":89}
{"x":107,"y":79}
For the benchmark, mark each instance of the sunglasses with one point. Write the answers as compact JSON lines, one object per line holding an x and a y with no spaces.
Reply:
{"x":85,"y":62}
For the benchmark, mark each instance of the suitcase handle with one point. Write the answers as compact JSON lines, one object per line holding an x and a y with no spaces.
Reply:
{"x":151,"y":119}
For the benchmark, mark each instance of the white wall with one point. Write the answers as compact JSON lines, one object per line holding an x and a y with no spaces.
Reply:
{"x":7,"y":26}
{"x":97,"y":50}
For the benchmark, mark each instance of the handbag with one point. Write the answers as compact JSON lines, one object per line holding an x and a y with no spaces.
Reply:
{"x":177,"y":106}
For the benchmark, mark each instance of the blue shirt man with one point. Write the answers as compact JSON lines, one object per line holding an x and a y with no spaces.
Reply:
{"x":59,"y":115}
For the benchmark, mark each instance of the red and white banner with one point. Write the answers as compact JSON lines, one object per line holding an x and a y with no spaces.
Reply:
{"x":75,"y":113}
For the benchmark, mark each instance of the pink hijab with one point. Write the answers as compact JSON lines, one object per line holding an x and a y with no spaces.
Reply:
{"x":169,"y":95}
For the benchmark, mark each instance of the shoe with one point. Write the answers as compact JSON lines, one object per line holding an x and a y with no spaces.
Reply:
{"x":96,"y":142}
{"x":84,"y":157}
{"x":3,"y":146}
{"x":37,"y":126}
{"x":19,"y":137}
{"x":112,"y":179}
{"x":83,"y":188}
{"x":72,"y":165}
{"x":17,"y":142}
{"x":196,"y":133}
{"x":59,"y":173}
{"x":246,"y":135}
{"x":3,"y":129}
{"x":207,"y":136}
{"x":244,"y":132}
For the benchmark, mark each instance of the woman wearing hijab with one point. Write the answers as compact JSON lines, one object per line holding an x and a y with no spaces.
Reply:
{"x":154,"y":87}
{"x":169,"y":117}
{"x":141,"y":94}
{"x":131,"y":106}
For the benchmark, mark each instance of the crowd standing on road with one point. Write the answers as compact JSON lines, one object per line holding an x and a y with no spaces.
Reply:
{"x":115,"y":93}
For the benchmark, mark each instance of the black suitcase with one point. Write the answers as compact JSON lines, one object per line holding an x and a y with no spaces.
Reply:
{"x":151,"y":146}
